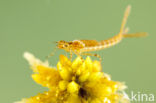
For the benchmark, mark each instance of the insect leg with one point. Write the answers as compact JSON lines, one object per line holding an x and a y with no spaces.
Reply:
{"x":78,"y":54}
{"x":71,"y":55}
{"x":95,"y":55}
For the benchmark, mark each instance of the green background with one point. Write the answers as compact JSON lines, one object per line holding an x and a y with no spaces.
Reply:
{"x":33,"y":25}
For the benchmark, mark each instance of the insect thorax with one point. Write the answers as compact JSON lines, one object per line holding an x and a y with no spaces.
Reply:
{"x":77,"y":45}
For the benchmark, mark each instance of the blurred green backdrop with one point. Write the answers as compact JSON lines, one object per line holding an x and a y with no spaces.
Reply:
{"x":31,"y":25}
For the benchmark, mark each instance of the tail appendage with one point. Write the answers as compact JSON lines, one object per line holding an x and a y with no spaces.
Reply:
{"x":137,"y":35}
{"x":127,"y":12}
{"x":123,"y":30}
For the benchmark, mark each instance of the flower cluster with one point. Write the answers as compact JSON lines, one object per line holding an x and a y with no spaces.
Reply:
{"x":80,"y":81}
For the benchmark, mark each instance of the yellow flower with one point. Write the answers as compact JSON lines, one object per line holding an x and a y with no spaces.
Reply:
{"x":80,"y":81}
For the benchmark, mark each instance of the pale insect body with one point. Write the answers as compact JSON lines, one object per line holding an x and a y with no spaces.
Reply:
{"x":81,"y":46}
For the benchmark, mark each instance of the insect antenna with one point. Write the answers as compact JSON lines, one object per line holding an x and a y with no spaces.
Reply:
{"x":52,"y":53}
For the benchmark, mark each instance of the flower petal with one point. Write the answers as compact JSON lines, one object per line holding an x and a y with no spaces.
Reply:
{"x":73,"y":87}
{"x":46,"y":75}
{"x":34,"y":62}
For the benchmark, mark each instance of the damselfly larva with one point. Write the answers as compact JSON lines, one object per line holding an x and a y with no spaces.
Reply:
{"x":80,"y":47}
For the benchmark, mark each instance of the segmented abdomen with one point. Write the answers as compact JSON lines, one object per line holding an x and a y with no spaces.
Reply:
{"x":93,"y":45}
